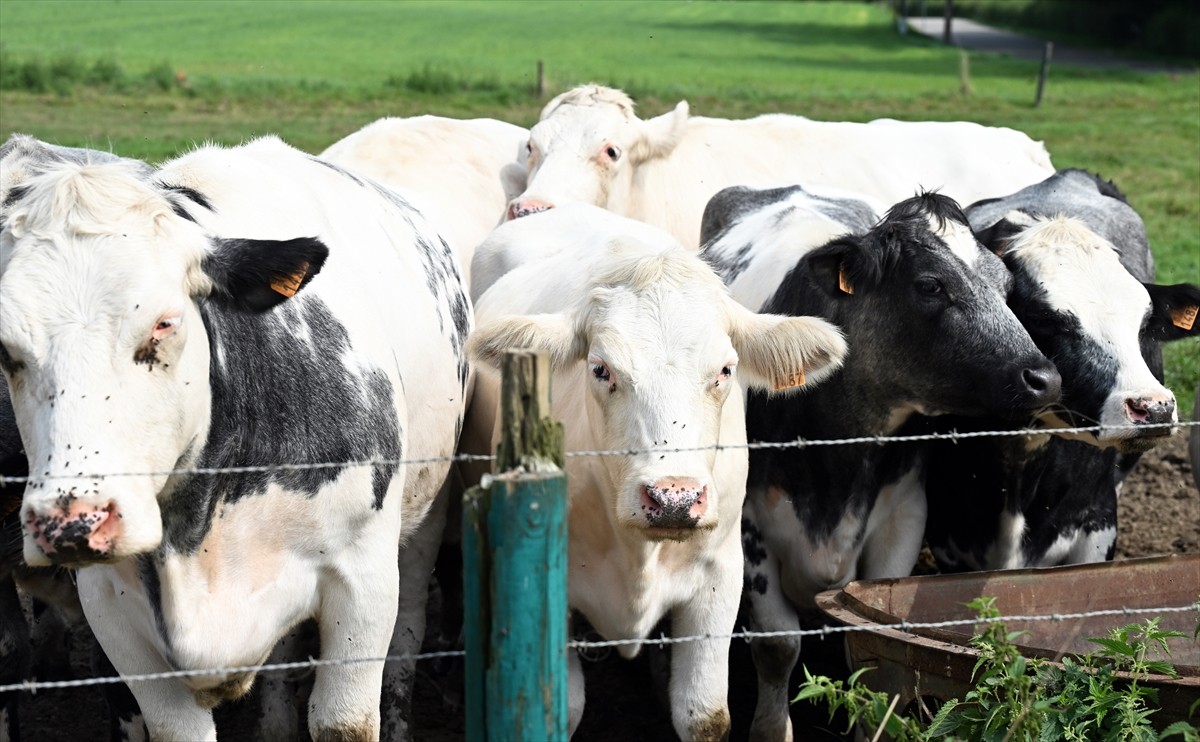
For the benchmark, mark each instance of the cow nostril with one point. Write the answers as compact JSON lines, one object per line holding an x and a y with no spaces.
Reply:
{"x":1136,"y":410}
{"x":1043,"y":382}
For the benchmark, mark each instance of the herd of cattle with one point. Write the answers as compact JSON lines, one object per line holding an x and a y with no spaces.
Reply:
{"x":169,"y":334}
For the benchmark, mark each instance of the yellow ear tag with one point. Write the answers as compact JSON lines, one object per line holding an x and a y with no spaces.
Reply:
{"x":791,"y":381}
{"x":1184,"y":317}
{"x":289,"y":285}
{"x":843,"y":283}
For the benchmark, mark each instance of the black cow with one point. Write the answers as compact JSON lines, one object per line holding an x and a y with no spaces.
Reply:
{"x":1084,"y":289}
{"x":922,"y":305}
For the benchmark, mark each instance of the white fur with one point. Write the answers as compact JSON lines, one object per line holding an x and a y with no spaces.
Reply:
{"x":664,"y":325}
{"x":780,"y":234}
{"x":90,"y":259}
{"x":1083,"y":276}
{"x":672,"y":164}
{"x":460,"y":172}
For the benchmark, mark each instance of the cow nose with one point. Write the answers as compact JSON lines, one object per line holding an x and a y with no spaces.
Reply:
{"x":74,"y":531}
{"x":674,"y":502}
{"x":1150,"y":410}
{"x":518,"y":209}
{"x":1043,"y":384}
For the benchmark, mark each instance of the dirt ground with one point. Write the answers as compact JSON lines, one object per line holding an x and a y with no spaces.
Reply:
{"x":1159,"y":513}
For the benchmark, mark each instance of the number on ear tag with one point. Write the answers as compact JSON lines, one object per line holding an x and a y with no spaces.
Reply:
{"x":791,"y":381}
{"x":1184,"y":317}
{"x":289,"y":285}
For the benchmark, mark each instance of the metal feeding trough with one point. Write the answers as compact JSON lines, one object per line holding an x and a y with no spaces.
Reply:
{"x":937,"y":663}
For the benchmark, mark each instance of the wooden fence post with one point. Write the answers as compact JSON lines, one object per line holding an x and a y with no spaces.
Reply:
{"x":1045,"y":71}
{"x":515,"y":569}
{"x":540,"y":86}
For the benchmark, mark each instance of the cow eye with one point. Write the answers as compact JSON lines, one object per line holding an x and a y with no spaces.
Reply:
{"x":165,"y":326}
{"x":929,"y":286}
{"x":725,"y":373}
{"x":612,"y":152}
{"x":7,"y":362}
{"x":600,"y":372}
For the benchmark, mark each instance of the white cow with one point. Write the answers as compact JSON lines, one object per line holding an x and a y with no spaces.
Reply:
{"x":650,"y":354}
{"x":589,"y":146}
{"x":463,"y":172}
{"x":234,"y":308}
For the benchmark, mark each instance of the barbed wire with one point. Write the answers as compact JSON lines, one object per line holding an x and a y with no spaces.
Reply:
{"x":952,"y":436}
{"x":34,"y":686}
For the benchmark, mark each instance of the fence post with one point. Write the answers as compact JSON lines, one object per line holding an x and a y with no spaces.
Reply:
{"x":540,"y":86}
{"x":515,"y":569}
{"x":1045,"y":71}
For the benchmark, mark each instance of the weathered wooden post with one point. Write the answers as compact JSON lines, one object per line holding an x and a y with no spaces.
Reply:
{"x":964,"y":73}
{"x":540,"y":87}
{"x":515,"y":569}
{"x":1044,"y":73}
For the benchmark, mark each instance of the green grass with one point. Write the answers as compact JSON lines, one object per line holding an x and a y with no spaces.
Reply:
{"x":316,"y":71}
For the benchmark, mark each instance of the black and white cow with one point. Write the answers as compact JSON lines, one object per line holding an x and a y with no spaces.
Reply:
{"x":239,"y":307}
{"x":1084,"y":289}
{"x":922,"y":305}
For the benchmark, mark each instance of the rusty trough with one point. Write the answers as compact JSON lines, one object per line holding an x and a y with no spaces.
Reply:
{"x":937,"y":663}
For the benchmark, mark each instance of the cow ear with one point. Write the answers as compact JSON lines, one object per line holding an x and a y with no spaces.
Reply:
{"x":1173,"y":311}
{"x":778,"y":353}
{"x":660,"y":134}
{"x":553,"y":334}
{"x":843,"y":267}
{"x":255,"y":275}
{"x":998,"y":237}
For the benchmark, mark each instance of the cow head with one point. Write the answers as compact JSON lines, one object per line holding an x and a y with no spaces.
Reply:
{"x":655,"y":352}
{"x":586,"y":146}
{"x":1098,"y":324}
{"x":923,"y":304}
{"x":104,"y":348}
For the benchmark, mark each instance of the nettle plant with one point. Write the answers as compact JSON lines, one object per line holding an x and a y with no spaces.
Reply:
{"x":1015,"y":698}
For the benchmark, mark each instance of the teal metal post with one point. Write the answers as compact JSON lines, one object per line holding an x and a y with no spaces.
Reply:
{"x":515,"y":570}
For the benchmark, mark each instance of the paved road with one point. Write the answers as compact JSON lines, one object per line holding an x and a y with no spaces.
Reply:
{"x":970,"y":34}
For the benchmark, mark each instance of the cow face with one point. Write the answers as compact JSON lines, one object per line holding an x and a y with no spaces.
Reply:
{"x":923,"y":304}
{"x":104,"y":349}
{"x":1098,"y":324}
{"x":656,"y":353}
{"x":586,"y":146}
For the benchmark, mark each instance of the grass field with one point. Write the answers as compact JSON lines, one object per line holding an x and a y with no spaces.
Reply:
{"x":316,"y":71}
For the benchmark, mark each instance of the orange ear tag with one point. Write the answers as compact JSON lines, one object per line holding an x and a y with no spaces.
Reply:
{"x":289,"y":285}
{"x":791,"y":381}
{"x":1184,"y":317}
{"x":843,"y":283}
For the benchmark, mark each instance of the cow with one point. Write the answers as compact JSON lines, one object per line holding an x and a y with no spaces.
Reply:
{"x":240,"y":309}
{"x":922,"y":306}
{"x":58,"y":621}
{"x":650,"y":356}
{"x":590,"y":146}
{"x":462,"y":172}
{"x":1084,"y":289}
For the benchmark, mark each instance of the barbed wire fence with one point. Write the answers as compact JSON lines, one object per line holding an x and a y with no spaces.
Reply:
{"x":33,"y":685}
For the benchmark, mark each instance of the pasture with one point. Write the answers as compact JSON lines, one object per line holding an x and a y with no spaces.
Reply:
{"x":152,"y":79}
{"x":225,"y":72}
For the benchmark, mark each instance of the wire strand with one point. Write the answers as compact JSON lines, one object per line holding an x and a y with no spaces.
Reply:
{"x":798,"y":443}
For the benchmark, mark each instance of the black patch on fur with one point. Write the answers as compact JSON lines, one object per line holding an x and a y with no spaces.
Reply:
{"x":242,"y":271}
{"x":752,"y":545}
{"x":279,"y":399}
{"x":147,"y":569}
{"x":15,"y":194}
{"x":190,"y":194}
{"x":731,"y":205}
{"x":1058,"y":488}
